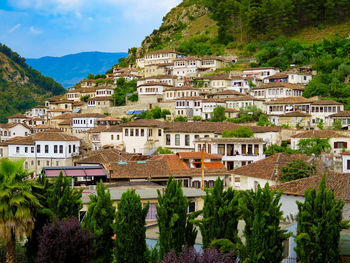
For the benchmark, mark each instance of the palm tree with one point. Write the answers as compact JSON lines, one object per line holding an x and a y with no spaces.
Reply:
{"x":17,"y":206}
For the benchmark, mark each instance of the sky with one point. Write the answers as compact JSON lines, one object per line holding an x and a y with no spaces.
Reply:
{"x":37,"y":28}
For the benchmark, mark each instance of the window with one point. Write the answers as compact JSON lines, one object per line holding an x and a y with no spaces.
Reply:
{"x":69,"y":148}
{"x":142,"y":132}
{"x":47,"y":163}
{"x":150,"y":132}
{"x":159,"y":132}
{"x":244,"y":149}
{"x":192,"y":207}
{"x":126,"y":132}
{"x":177,"y":139}
{"x":55,"y":148}
{"x":74,"y":148}
{"x":340,"y":145}
{"x":196,"y":136}
{"x":38,"y":148}
{"x":39,"y":162}
{"x":25,"y":149}
{"x":230,"y":150}
{"x":112,"y":137}
{"x":168,"y":139}
{"x":17,"y":149}
{"x":348,"y":164}
{"x":32,"y":162}
{"x":131,"y":132}
{"x":61,"y":148}
{"x":46,"y":149}
{"x":196,"y":184}
{"x":57,"y":163}
{"x":187,"y":140}
{"x":221,"y":149}
{"x":32,"y":149}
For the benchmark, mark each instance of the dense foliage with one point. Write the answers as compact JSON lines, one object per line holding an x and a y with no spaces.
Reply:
{"x":65,"y":241}
{"x":155,"y":113}
{"x":123,"y":88}
{"x":16,"y":96}
{"x":218,"y":114}
{"x":297,"y":169}
{"x":247,"y":114}
{"x":252,"y":19}
{"x":274,"y":148}
{"x":220,"y":215}
{"x":319,"y":225}
{"x":240,"y":132}
{"x":17,"y":206}
{"x":130,"y":245}
{"x":172,"y":218}
{"x":190,"y":255}
{"x":314,"y":145}
{"x":99,"y":220}
{"x":262,"y":232}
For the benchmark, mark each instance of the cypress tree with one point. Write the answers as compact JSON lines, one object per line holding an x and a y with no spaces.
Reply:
{"x":99,"y":220}
{"x":63,"y":201}
{"x":263,"y":235}
{"x":172,"y":217}
{"x":220,"y":214}
{"x":319,"y":226}
{"x":130,"y":229}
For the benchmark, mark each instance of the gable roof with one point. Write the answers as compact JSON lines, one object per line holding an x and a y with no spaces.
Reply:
{"x":319,"y":134}
{"x":105,"y":156}
{"x":345,"y":113}
{"x":198,"y":155}
{"x":296,"y":100}
{"x":279,"y":85}
{"x":270,"y":167}
{"x":338,"y":183}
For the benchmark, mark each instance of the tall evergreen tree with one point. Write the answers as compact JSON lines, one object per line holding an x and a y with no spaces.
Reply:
{"x":263,"y":235}
{"x":319,"y":226}
{"x":171,"y":216}
{"x":220,"y":214}
{"x":130,"y":229}
{"x":99,"y":221}
{"x":63,"y":201}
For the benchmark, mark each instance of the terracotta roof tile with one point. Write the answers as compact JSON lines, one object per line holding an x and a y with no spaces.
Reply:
{"x":280,"y":84}
{"x":105,"y":157}
{"x":296,"y":100}
{"x":198,"y":155}
{"x":338,"y":183}
{"x":319,"y":134}
{"x":345,"y":113}
{"x":270,"y":167}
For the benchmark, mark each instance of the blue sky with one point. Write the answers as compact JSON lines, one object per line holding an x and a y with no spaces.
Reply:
{"x":37,"y":28}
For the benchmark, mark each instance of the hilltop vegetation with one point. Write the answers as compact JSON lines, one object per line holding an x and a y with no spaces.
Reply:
{"x":206,"y":27}
{"x":21,"y":86}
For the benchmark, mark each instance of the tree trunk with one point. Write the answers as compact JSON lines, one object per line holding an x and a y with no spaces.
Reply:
{"x":11,"y":250}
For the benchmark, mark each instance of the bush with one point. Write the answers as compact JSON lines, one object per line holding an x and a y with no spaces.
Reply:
{"x":197,"y":118}
{"x":180,"y":119}
{"x":240,"y":132}
{"x":65,"y":241}
{"x":190,"y":255}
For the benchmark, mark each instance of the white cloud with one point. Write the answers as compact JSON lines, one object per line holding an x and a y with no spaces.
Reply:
{"x":14,"y":28}
{"x":34,"y":31}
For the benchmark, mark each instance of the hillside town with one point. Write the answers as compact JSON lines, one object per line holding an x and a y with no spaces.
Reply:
{"x":87,"y":137}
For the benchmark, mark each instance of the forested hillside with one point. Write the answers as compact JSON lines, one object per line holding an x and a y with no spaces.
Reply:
{"x":205,"y":27}
{"x":21,"y":86}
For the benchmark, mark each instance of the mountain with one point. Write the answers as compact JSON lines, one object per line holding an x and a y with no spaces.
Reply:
{"x":212,"y":27}
{"x":21,"y":86}
{"x":70,"y":69}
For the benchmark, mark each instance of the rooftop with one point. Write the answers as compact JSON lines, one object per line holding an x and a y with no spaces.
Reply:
{"x":319,"y":134}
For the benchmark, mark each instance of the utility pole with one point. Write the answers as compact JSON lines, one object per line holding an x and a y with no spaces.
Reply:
{"x":202,"y":167}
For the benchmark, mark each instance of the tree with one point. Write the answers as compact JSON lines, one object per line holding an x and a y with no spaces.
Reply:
{"x":240,"y":132}
{"x":320,"y":124}
{"x":164,"y":150}
{"x":297,"y":169}
{"x":171,"y":217}
{"x":313,"y":145}
{"x":274,"y":148}
{"x":17,"y":206}
{"x":337,"y":125}
{"x":66,"y":241}
{"x":180,"y":119}
{"x":218,"y":114}
{"x":197,"y":118}
{"x":130,"y":229}
{"x":99,"y":220}
{"x":63,"y":201}
{"x":84,"y":98}
{"x":263,"y":121}
{"x":319,"y":226}
{"x":220,"y":214}
{"x":262,"y":232}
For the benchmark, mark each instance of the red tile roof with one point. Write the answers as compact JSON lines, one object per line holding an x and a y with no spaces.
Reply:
{"x":319,"y":134}
{"x":198,"y":155}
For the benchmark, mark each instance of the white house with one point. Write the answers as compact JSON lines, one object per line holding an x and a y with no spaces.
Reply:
{"x":164,"y":79}
{"x":186,"y":66}
{"x":38,"y":111}
{"x":112,"y":137}
{"x":44,"y":149}
{"x":301,"y":76}
{"x":86,"y":121}
{"x":189,"y":106}
{"x":11,"y":130}
{"x":152,"y":89}
{"x":104,"y":91}
{"x":180,"y":92}
{"x":243,"y":102}
{"x":209,"y":105}
{"x":260,"y":73}
{"x":235,"y":152}
{"x":276,"y":90}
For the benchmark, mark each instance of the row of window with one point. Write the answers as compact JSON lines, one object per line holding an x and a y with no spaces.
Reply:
{"x":82,"y":121}
{"x":177,"y":139}
{"x":48,"y":163}
{"x":56,"y":149}
{"x":140,"y":132}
